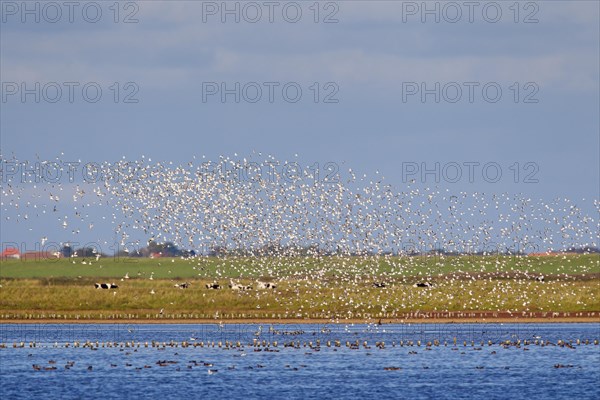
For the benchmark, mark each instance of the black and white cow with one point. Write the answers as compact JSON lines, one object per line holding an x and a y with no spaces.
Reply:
{"x":422,"y":284}
{"x":105,"y":286}
{"x":238,"y":287}
{"x":183,"y":285}
{"x":265,"y":285}
{"x":213,"y":285}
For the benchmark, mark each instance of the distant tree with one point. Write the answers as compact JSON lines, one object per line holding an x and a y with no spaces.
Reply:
{"x":66,"y":251}
{"x":170,"y":250}
{"x":167,"y":249}
{"x":583,"y":250}
{"x":86,"y":252}
{"x":217,"y":251}
{"x":188,"y":253}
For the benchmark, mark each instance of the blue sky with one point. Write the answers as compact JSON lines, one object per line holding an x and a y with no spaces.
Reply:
{"x":370,"y":57}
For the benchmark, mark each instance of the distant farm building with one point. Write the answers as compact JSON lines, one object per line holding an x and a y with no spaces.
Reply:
{"x":11,"y":253}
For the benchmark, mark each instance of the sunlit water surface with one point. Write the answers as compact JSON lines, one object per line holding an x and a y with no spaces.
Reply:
{"x":305,"y":371}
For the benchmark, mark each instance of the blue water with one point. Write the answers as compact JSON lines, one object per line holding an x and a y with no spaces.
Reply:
{"x":301,"y":372}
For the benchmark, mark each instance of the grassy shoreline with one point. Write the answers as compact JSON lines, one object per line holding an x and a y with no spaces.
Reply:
{"x":145,"y":300}
{"x":270,"y":321}
{"x":315,"y":290}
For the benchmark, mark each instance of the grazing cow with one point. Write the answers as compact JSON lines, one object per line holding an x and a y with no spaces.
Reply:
{"x":379,"y":284}
{"x":213,"y":285}
{"x":237,"y":287}
{"x":423,"y":284}
{"x":265,"y":285}
{"x":539,"y":278}
{"x":183,"y":285}
{"x":105,"y":286}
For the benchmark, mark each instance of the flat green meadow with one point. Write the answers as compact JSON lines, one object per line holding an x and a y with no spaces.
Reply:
{"x":327,"y":287}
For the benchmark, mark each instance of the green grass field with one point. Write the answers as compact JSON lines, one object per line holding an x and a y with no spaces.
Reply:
{"x":286,"y":267}
{"x":307,"y":288}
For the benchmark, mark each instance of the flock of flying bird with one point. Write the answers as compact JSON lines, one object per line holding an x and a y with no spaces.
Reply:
{"x":278,"y":208}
